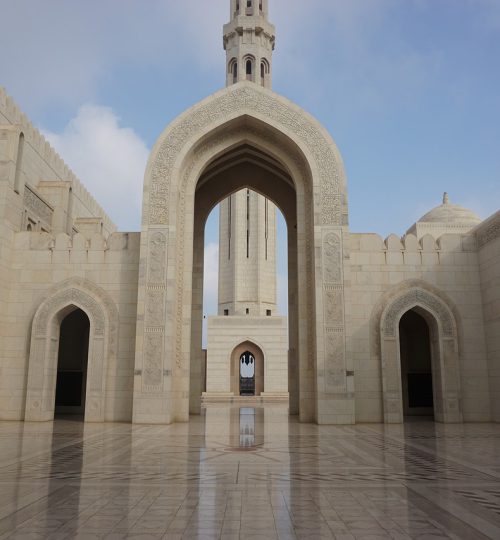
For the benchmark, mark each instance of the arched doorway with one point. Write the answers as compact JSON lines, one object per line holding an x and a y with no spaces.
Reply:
{"x":59,"y":303}
{"x":416,"y":315}
{"x":416,"y":365}
{"x":247,"y":362}
{"x":72,"y":363}
{"x":247,"y":374}
{"x":243,"y":137}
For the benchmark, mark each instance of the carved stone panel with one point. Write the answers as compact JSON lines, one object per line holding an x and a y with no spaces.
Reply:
{"x":67,"y":298}
{"x":37,"y":207}
{"x":332,"y":259}
{"x":153,"y":362}
{"x":489,"y":233}
{"x":333,"y":306}
{"x":157,"y":263}
{"x":413,"y":298}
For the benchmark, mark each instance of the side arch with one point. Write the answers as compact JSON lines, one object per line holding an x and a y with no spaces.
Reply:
{"x":443,"y":329}
{"x":59,"y":301}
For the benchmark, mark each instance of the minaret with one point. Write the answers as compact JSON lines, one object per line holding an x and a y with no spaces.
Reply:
{"x":247,"y":227}
{"x":249,"y":40}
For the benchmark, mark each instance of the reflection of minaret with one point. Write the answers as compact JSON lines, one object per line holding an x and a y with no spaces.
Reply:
{"x":247,"y":255}
{"x":247,"y":234}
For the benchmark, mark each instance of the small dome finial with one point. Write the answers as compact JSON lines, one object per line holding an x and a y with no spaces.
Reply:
{"x":446,"y":198}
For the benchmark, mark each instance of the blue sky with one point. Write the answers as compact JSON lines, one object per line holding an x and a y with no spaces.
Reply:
{"x":409,"y":89}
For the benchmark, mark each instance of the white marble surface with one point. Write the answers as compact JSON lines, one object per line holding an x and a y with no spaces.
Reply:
{"x":249,"y":473}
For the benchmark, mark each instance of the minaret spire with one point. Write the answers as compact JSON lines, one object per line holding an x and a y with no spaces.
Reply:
{"x":249,"y":40}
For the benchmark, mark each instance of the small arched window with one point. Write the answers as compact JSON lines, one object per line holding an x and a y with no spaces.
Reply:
{"x":260,"y":5}
{"x":249,"y":68}
{"x":235,"y":72}
{"x":262,"y":73}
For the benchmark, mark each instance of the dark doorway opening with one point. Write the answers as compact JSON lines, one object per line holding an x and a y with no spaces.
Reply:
{"x":247,"y":374}
{"x":72,"y":364}
{"x":416,"y":365}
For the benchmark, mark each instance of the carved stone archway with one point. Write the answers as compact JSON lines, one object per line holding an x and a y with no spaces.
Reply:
{"x":444,"y":352}
{"x":178,"y":190}
{"x":59,"y":301}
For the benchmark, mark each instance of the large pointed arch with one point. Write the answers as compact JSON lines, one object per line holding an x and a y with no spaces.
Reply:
{"x":443,"y":326}
{"x":243,"y":114}
{"x":57,"y":302}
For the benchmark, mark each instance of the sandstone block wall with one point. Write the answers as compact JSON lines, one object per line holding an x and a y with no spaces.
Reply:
{"x":488,"y":235}
{"x":39,"y":262}
{"x":270,"y":334}
{"x":451,"y":266}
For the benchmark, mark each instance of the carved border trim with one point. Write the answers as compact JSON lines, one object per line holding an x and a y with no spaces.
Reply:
{"x":416,"y":297}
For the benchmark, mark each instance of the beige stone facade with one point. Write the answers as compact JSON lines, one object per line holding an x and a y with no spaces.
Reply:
{"x":142,"y":293}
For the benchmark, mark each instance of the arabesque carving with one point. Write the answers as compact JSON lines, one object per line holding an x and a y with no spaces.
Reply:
{"x":413,"y":298}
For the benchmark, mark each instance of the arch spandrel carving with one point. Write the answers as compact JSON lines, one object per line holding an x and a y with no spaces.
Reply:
{"x":412,"y":298}
{"x":240,"y":100}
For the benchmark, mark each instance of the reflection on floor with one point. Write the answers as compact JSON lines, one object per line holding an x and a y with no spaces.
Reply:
{"x":249,"y":473}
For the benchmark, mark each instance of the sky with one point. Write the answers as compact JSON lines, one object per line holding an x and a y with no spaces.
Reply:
{"x":409,"y":90}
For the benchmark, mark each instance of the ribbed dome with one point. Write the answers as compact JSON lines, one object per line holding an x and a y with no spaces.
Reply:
{"x":450,"y":213}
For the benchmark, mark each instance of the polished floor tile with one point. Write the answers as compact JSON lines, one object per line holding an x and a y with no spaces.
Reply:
{"x":244,"y":473}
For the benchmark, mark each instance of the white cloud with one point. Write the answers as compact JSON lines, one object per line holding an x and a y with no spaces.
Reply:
{"x":109,"y":159}
{"x":68,"y":50}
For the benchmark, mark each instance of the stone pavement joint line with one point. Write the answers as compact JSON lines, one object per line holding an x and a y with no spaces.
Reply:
{"x":255,"y":473}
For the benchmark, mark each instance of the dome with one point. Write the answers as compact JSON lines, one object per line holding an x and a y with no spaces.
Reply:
{"x":448,"y":213}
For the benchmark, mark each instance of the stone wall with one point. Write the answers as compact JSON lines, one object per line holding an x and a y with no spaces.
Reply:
{"x":488,"y":235}
{"x":40,"y":261}
{"x":450,"y":266}
{"x":41,"y":163}
{"x":225,"y":334}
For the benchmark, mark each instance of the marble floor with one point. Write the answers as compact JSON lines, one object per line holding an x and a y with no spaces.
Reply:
{"x":249,"y":473}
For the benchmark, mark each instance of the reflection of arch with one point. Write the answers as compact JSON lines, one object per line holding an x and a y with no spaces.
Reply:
{"x":196,"y":163}
{"x":258,"y":354}
{"x":444,"y":351}
{"x":42,"y":369}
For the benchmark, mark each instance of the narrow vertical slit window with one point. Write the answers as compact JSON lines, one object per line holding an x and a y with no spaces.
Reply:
{"x":248,"y":223}
{"x":19,"y":163}
{"x":229,"y":224}
{"x":249,"y":69}
{"x":266,"y":219}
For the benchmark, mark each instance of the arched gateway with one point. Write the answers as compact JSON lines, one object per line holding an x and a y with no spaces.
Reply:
{"x":245,"y":136}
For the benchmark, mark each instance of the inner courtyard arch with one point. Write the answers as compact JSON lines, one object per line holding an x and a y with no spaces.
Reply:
{"x":406,"y":311}
{"x":60,"y":302}
{"x":243,"y":137}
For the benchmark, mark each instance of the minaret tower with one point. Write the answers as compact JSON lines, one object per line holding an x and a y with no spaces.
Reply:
{"x":247,"y":229}
{"x":247,"y":343}
{"x":249,"y":40}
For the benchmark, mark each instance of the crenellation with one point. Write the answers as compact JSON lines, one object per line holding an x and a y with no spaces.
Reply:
{"x":42,"y":147}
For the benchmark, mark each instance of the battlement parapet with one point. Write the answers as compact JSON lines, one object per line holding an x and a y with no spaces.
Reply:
{"x":42,"y":147}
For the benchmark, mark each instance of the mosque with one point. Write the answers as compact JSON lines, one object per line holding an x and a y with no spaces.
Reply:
{"x":108,"y":324}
